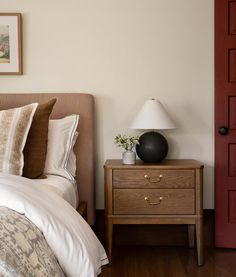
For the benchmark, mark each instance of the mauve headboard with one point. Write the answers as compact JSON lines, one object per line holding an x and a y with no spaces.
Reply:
{"x":70,"y":103}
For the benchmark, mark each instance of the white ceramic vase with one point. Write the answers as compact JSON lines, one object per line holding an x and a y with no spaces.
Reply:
{"x":128,"y":157}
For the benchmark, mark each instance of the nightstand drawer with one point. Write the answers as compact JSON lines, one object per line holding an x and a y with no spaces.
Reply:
{"x":153,"y":201}
{"x":153,"y":178}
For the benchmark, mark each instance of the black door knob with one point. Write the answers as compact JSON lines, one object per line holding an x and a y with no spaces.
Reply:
{"x":223,"y":130}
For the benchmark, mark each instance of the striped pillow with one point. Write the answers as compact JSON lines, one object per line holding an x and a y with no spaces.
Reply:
{"x":14,"y":127}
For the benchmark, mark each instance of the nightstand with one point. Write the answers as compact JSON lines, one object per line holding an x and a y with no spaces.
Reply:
{"x":169,"y":192}
{"x":82,"y":209}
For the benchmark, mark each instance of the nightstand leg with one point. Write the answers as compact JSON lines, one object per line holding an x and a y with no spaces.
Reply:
{"x":199,"y":238}
{"x":191,"y":235}
{"x":109,"y":236}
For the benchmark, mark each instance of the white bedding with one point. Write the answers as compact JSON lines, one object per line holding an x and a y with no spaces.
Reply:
{"x":63,"y":187}
{"x":76,"y":247}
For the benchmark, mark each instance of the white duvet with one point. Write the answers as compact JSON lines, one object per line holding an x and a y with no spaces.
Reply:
{"x":79,"y":252}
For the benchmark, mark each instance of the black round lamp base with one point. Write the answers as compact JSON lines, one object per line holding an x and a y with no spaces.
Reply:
{"x":152,"y":147}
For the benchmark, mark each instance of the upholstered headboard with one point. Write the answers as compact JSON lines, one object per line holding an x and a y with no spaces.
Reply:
{"x":70,"y":103}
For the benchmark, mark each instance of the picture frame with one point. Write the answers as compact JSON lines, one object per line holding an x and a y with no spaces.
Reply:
{"x":11,"y":44}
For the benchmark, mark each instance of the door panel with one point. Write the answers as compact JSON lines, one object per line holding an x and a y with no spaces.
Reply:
{"x":232,"y":18}
{"x":232,"y":206}
{"x":232,"y":112}
{"x":232,"y":65}
{"x":225,"y":115}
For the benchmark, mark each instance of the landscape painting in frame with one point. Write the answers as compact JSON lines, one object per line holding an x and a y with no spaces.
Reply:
{"x":4,"y":44}
{"x":10,"y":44}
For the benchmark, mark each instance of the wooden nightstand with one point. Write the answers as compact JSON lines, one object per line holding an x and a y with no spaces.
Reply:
{"x":166,"y":193}
{"x":82,"y":209}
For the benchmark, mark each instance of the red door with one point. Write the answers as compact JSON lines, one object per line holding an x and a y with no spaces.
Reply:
{"x":225,"y":123}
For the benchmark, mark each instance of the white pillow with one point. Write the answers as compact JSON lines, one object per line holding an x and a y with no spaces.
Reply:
{"x":71,"y":166}
{"x":61,"y":134}
{"x":14,"y":128}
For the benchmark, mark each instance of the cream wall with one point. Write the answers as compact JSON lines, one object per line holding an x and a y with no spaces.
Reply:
{"x":124,"y":52}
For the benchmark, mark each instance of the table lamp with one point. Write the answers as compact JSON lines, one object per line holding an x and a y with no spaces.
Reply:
{"x":153,"y":146}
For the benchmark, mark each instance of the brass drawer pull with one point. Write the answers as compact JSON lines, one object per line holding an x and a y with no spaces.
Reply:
{"x":153,"y":180}
{"x":153,"y":203}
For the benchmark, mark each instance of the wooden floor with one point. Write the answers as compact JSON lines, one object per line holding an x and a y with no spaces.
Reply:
{"x":168,"y":261}
{"x":140,"y":261}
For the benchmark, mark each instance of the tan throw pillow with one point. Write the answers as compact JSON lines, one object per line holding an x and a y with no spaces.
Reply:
{"x":36,"y":145}
{"x":14,"y":127}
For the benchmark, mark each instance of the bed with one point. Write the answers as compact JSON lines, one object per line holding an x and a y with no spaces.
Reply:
{"x":75,"y":251}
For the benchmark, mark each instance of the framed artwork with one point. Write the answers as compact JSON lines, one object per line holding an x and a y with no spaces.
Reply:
{"x":10,"y":44}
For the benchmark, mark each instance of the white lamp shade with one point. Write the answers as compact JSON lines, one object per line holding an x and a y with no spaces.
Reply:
{"x":152,"y":116}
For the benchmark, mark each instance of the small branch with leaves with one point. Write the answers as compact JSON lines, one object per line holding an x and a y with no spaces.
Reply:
{"x":126,"y":142}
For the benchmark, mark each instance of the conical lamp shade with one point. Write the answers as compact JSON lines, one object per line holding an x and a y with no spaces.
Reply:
{"x":152,"y":116}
